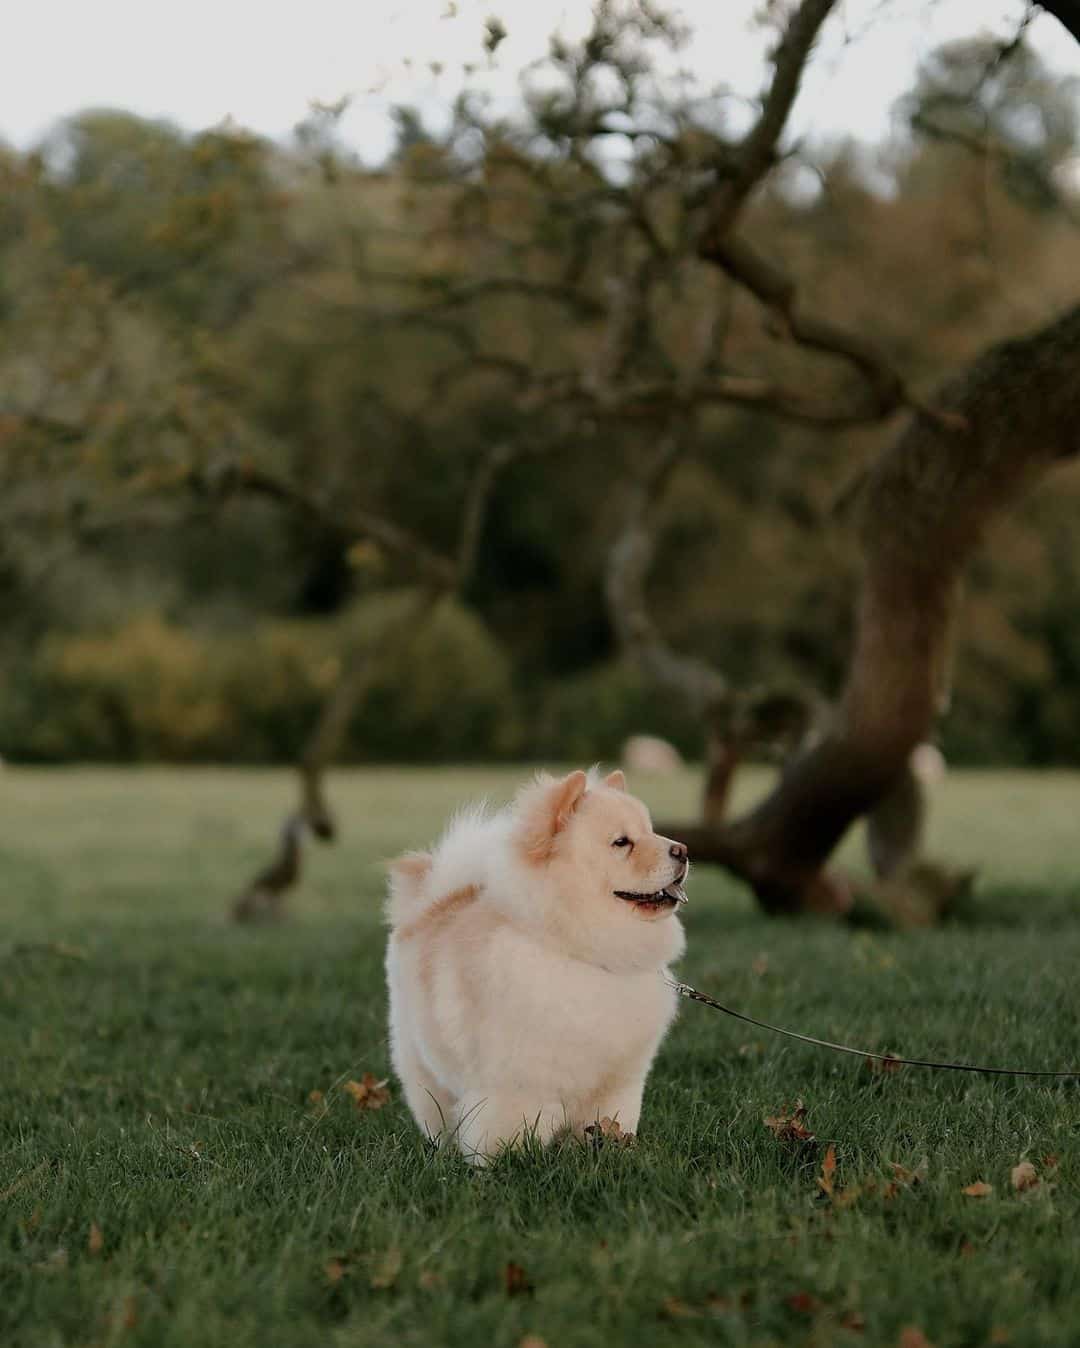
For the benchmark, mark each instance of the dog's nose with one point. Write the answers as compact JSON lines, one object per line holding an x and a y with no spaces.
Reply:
{"x":679,"y":851}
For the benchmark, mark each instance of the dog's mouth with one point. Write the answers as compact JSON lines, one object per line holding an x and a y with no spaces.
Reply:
{"x":671,"y":896}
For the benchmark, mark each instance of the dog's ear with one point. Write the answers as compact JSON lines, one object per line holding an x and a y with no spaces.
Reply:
{"x":616,"y":780}
{"x":545,"y":809}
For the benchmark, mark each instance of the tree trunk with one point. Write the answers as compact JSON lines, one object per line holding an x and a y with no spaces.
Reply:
{"x":923,"y":509}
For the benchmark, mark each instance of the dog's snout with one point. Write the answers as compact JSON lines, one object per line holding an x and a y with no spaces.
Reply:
{"x":679,"y":851}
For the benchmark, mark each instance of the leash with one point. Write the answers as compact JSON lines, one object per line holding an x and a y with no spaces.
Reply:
{"x":685,"y":990}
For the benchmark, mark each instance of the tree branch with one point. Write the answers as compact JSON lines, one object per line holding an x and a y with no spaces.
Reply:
{"x":757,"y":153}
{"x":925,"y":505}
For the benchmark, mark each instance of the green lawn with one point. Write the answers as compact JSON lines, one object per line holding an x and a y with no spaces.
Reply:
{"x":165,"y":1179}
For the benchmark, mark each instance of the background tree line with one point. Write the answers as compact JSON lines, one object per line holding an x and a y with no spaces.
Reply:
{"x":246,"y":391}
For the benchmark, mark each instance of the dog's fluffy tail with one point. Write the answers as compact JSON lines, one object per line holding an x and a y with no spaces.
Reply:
{"x":407,"y":896}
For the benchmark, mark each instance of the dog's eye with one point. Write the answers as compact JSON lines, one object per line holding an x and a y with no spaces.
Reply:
{"x":622,"y":842}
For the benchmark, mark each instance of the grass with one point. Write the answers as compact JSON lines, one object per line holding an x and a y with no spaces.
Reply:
{"x":165,"y":1179}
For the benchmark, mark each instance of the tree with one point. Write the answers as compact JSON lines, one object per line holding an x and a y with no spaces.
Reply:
{"x":408,"y":341}
{"x":923,"y":506}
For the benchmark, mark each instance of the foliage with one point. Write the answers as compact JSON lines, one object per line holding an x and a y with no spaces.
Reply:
{"x":174,"y":307}
{"x":149,"y":690}
{"x":586,"y":717}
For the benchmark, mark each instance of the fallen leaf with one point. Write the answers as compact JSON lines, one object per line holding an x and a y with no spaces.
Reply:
{"x":96,"y":1241}
{"x":387,"y":1270}
{"x":609,"y":1130}
{"x":804,"y":1302}
{"x":1024,"y":1176}
{"x":516,"y":1280}
{"x":911,"y":1337}
{"x":844,"y":1198}
{"x":980,"y":1189}
{"x":368,"y":1092}
{"x":790,"y":1127}
{"x":828,"y":1170}
{"x":911,"y":1178}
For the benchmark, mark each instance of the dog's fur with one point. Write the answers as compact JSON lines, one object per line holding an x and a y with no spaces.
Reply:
{"x":525,"y":996}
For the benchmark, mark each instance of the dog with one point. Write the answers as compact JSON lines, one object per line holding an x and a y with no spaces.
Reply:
{"x":525,"y":965}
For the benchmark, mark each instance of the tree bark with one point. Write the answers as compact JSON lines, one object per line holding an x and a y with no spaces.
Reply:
{"x":924,"y":508}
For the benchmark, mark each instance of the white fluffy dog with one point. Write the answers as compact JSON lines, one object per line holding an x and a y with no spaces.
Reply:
{"x":525,"y":962}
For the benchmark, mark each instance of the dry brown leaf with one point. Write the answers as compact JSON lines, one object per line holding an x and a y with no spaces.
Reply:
{"x":387,"y":1270}
{"x":95,"y":1241}
{"x":609,"y":1130}
{"x":1024,"y":1176}
{"x":911,"y":1178}
{"x":516,"y":1280}
{"x":368,"y":1092}
{"x":911,"y":1337}
{"x":980,"y":1189}
{"x":828,"y":1171}
{"x":790,"y":1127}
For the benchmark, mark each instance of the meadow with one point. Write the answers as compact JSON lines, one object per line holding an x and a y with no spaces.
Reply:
{"x":182,"y":1160}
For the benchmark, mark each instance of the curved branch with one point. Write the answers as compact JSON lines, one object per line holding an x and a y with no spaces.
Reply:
{"x":696,"y":682}
{"x":383,"y":531}
{"x":925,"y":505}
{"x":757,"y":153}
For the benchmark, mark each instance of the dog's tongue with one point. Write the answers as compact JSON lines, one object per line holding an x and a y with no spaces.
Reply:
{"x":676,"y":892}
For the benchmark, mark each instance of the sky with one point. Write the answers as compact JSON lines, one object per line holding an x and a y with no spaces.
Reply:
{"x":262,"y":62}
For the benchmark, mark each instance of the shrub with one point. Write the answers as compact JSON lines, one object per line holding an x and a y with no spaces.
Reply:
{"x":587,"y":717}
{"x":153,"y":691}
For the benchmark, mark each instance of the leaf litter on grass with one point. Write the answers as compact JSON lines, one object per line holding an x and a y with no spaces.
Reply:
{"x":369,"y":1092}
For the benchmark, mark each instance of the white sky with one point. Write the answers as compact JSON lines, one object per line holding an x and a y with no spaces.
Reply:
{"x":260,"y":62}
